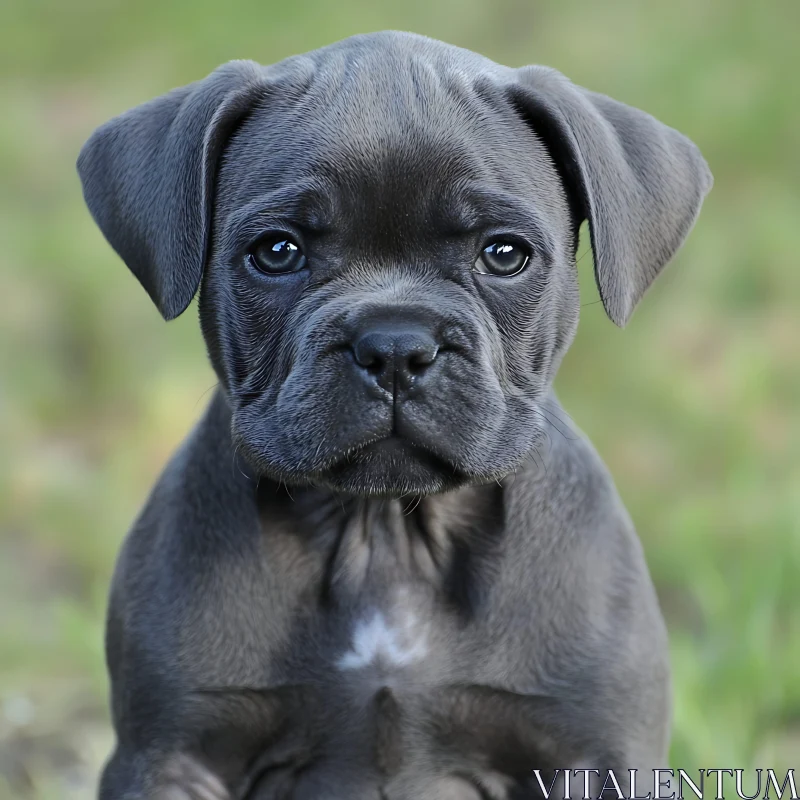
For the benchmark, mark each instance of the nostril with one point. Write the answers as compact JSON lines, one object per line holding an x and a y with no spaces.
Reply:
{"x":374,"y":367}
{"x":368,"y":355}
{"x":419,"y":360}
{"x":370,"y":362}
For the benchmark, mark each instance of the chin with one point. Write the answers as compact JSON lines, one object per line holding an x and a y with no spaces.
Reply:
{"x":390,"y":468}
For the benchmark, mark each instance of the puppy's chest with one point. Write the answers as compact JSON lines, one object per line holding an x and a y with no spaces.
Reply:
{"x":372,"y":659}
{"x":394,"y":633}
{"x":382,"y":611}
{"x":380,"y":589}
{"x":401,"y":641}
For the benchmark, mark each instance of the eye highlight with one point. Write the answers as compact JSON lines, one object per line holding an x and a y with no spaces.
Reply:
{"x":276,"y":255}
{"x":502,"y":258}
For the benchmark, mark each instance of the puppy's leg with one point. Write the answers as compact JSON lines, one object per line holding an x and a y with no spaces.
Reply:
{"x":121,"y":779}
{"x":186,"y":779}
{"x":181,"y":778}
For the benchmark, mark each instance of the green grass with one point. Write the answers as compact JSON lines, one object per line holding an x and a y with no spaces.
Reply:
{"x":695,"y":406}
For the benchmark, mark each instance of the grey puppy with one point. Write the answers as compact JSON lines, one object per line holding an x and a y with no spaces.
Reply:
{"x":382,"y":565}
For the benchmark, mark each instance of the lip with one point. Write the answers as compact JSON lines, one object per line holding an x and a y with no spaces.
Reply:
{"x":397,"y":464}
{"x":390,"y":444}
{"x":394,"y":446}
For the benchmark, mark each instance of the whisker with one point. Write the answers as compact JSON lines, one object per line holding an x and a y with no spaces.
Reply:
{"x":413,"y":506}
{"x":213,"y":386}
{"x":555,"y":422}
{"x":235,"y":463}
{"x":540,"y":460}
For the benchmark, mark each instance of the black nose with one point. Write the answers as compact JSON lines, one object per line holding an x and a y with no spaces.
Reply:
{"x":394,"y":357}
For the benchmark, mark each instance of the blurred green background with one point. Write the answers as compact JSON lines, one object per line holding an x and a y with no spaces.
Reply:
{"x":695,"y":406}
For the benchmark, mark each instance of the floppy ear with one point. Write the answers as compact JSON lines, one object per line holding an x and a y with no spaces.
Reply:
{"x":148,"y":178}
{"x":639,"y":183}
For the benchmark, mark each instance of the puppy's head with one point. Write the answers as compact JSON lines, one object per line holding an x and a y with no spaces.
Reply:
{"x":385,"y":231}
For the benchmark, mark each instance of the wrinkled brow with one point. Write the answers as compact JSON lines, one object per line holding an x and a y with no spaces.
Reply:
{"x":306,"y":204}
{"x":470,"y":209}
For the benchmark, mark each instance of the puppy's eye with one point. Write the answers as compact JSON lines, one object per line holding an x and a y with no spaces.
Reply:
{"x":502,"y":258}
{"x":276,"y":255}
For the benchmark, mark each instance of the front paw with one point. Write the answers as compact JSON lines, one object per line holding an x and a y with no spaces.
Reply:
{"x":185,"y":779}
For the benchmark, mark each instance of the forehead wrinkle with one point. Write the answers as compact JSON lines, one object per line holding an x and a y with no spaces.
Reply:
{"x":470,"y":208}
{"x":376,"y":106}
{"x":305,"y":203}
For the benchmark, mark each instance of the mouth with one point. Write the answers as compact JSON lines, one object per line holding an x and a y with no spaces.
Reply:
{"x":391,"y":466}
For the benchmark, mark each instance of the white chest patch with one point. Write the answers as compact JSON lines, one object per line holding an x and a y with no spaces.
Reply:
{"x":396,"y":645}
